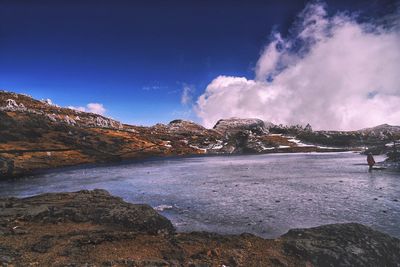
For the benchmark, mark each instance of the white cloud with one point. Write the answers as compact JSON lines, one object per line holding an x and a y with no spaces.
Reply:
{"x":187,"y":95}
{"x":96,"y":108}
{"x":331,"y":72}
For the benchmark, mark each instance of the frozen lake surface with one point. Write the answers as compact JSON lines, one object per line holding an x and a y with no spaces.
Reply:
{"x":261,"y":194}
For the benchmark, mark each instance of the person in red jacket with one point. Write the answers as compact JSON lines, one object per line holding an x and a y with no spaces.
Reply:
{"x":370,"y":160}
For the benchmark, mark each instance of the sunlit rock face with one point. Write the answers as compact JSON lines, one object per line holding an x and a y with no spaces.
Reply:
{"x":13,"y":102}
{"x":233,"y":125}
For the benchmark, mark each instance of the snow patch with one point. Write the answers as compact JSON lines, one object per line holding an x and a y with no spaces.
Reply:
{"x":298,"y":142}
{"x":163,"y":207}
{"x":218,"y":145}
{"x":268,"y":148}
{"x":167,"y":144}
{"x":198,"y":148}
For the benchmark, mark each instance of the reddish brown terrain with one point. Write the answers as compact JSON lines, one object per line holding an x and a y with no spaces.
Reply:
{"x":38,"y":135}
{"x":93,"y":228}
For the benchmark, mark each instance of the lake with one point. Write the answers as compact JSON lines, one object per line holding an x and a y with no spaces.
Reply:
{"x":261,"y":194}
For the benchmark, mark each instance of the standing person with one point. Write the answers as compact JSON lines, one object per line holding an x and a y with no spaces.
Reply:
{"x":370,"y":160}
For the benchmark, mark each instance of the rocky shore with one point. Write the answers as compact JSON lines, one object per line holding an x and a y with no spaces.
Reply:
{"x":94,"y":228}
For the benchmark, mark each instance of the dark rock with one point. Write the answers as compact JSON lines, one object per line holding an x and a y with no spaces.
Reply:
{"x":7,"y":255}
{"x":96,"y":206}
{"x":6,"y":167}
{"x":5,"y":231}
{"x":44,"y":244}
{"x":18,"y":231}
{"x":343,"y":245}
{"x":93,"y":228}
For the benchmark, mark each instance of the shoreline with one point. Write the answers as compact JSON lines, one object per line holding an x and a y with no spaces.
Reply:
{"x":113,"y":162}
{"x":144,"y":183}
{"x":98,"y":229}
{"x":37,"y":135}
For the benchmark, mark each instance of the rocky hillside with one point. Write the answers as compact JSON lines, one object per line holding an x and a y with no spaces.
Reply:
{"x":93,"y":228}
{"x":233,"y":125}
{"x":35,"y":134}
{"x":12,"y":102}
{"x":377,"y":136}
{"x":38,"y":134}
{"x":384,"y":130}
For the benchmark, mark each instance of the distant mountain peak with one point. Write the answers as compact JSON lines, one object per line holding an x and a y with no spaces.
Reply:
{"x":234,"y":124}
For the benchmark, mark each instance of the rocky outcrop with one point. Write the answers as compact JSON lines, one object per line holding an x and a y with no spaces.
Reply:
{"x":186,"y":127}
{"x":234,"y":125}
{"x":6,"y":167}
{"x":343,"y":245}
{"x":96,"y":206}
{"x":12,"y":102}
{"x":383,"y":130}
{"x":93,"y":228}
{"x":242,"y":135}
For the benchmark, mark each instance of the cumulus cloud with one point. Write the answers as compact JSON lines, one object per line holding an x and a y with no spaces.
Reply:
{"x":96,"y":108}
{"x":331,"y":72}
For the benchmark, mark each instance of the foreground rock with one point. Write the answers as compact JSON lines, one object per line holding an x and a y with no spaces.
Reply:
{"x":343,"y":245}
{"x":97,"y":207}
{"x":93,"y":228}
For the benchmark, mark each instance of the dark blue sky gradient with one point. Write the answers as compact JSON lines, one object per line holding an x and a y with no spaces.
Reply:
{"x":136,"y":56}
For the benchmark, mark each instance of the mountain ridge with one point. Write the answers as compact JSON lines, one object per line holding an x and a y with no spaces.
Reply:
{"x":38,"y":135}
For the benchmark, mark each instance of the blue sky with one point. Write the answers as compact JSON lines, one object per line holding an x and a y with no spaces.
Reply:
{"x":136,"y":57}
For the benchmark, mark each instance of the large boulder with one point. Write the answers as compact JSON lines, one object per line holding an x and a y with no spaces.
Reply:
{"x":97,"y":206}
{"x":93,"y":228}
{"x":242,"y":135}
{"x":348,"y":244}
